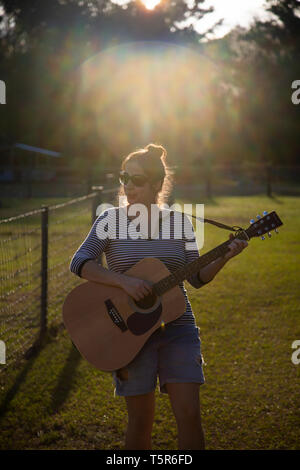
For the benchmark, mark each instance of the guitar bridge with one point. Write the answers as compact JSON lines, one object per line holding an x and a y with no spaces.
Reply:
{"x":115,"y":316}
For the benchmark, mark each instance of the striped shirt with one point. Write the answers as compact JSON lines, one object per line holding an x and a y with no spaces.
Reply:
{"x":124,"y":244}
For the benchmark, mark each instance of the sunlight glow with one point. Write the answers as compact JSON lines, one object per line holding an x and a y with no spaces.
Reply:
{"x":144,"y":91}
{"x":150,"y":4}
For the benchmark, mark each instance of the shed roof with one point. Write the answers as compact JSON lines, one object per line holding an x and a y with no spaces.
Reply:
{"x":30,"y":148}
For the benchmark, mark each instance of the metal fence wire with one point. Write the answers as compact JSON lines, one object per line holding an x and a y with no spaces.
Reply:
{"x":36,"y":247}
{"x":35,"y":252}
{"x":205,"y":177}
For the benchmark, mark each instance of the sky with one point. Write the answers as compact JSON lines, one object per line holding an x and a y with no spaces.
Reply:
{"x":234,"y":12}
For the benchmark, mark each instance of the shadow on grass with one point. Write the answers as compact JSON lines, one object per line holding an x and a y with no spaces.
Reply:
{"x":210,"y":201}
{"x":274,"y":198}
{"x":64,"y":384}
{"x":4,"y":405}
{"x":65,"y":378}
{"x":194,"y":199}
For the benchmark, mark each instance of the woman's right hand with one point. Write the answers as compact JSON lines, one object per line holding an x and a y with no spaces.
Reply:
{"x":136,"y":288}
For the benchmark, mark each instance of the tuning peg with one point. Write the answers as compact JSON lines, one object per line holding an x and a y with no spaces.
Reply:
{"x":265,"y":212}
{"x":258,"y":216}
{"x":252,"y":221}
{"x":263,"y":238}
{"x":276,"y":231}
{"x":269,"y":235}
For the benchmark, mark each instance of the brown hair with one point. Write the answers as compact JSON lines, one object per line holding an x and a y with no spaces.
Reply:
{"x":152,"y":159}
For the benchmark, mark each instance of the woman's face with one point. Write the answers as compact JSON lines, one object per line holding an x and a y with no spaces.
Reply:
{"x":145,"y":194}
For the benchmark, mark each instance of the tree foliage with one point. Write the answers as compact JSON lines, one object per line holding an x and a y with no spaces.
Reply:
{"x":246,"y":115}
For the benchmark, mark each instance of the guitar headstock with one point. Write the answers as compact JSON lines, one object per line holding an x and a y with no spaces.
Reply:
{"x":263,"y":225}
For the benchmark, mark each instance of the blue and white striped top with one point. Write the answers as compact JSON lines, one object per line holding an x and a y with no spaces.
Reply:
{"x":172,"y":241}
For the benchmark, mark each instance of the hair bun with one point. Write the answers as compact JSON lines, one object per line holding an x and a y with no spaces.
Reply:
{"x":156,"y":151}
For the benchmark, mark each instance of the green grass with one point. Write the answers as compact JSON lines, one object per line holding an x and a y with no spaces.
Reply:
{"x":249,"y":317}
{"x":11,"y":207}
{"x":20,"y":267}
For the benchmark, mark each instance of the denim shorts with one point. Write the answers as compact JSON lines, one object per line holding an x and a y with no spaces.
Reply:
{"x":172,"y":353}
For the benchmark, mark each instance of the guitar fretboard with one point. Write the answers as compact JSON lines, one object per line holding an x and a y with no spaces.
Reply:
{"x":187,"y":271}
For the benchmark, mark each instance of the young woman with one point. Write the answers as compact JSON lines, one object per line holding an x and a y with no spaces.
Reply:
{"x":173,"y":352}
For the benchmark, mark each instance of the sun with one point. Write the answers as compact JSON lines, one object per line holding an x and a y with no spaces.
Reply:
{"x":150,"y":4}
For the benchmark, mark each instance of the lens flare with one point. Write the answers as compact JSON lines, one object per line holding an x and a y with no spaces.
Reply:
{"x":141,"y":92}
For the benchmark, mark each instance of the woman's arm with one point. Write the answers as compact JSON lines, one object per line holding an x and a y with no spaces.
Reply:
{"x":136,"y":288}
{"x":84,"y":262}
{"x":92,"y":271}
{"x":208,"y":273}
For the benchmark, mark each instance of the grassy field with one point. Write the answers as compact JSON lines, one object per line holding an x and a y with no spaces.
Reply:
{"x":249,"y":318}
{"x":20,"y":266}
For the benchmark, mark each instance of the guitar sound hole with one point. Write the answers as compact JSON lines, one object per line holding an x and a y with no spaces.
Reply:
{"x":146,"y":302}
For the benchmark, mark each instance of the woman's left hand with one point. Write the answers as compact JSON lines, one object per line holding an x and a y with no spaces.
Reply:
{"x":236,"y":247}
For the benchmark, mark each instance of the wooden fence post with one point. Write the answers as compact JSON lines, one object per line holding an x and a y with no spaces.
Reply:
{"x":269,"y":180}
{"x":96,"y":201}
{"x":44,"y":271}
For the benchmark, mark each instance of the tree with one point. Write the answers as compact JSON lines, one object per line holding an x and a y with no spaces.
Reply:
{"x":44,"y":42}
{"x":264,"y":62}
{"x":98,"y":19}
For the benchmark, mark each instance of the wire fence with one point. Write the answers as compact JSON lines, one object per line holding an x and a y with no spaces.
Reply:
{"x":36,"y":247}
{"x":35,"y":252}
{"x":212,"y":180}
{"x":207,"y":178}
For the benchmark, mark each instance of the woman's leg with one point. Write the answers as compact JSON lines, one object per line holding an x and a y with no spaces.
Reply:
{"x":184,"y":398}
{"x":140,"y":410}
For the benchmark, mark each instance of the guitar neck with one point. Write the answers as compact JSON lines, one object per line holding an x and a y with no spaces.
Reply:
{"x":187,"y":271}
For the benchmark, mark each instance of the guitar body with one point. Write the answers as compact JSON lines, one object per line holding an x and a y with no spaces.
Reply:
{"x":106,"y":324}
{"x":109,"y":328}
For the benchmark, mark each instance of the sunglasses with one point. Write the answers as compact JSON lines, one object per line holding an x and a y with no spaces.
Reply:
{"x":137,"y":180}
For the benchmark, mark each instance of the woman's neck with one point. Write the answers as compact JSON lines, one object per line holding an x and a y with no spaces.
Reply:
{"x":149,"y":213}
{"x":147,"y":205}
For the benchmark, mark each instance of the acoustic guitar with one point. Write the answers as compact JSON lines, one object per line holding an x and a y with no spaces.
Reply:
{"x":109,"y":327}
